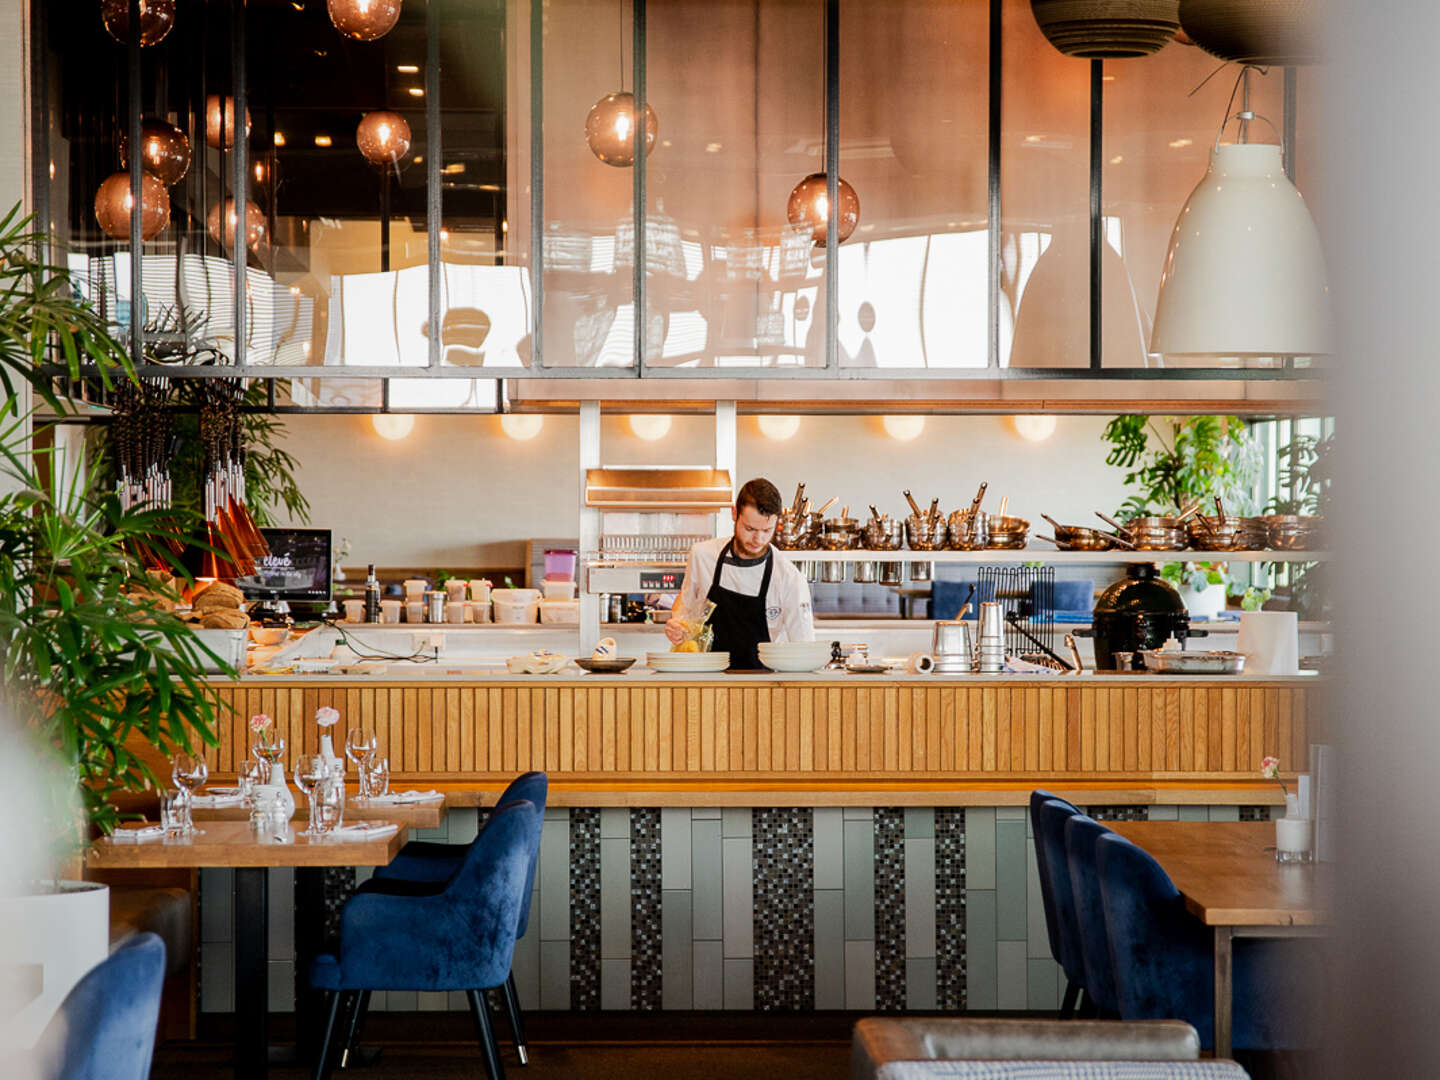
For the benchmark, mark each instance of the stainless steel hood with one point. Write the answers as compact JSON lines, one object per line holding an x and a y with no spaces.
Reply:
{"x":661,"y":489}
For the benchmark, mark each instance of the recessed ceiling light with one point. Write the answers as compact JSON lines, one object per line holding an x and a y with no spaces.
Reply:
{"x":416,"y":91}
{"x":407,"y":69}
{"x":323,"y":140}
{"x":279,"y":138}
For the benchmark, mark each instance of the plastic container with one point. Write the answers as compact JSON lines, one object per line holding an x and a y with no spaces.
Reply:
{"x":512,"y":595}
{"x":480,"y":590}
{"x":515,"y":611}
{"x":560,"y":611}
{"x":560,"y":565}
{"x":479,"y":613}
{"x":559,"y":590}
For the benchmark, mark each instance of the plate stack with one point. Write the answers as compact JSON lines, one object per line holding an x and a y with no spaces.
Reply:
{"x":794,"y":655}
{"x":687,"y":662}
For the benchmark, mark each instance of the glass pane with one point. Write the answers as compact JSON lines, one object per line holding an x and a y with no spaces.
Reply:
{"x":913,"y":137}
{"x":1044,"y":199}
{"x":1157,"y":148}
{"x":738,"y":92}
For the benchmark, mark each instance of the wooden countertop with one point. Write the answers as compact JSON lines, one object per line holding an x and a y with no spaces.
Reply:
{"x":231,"y":843}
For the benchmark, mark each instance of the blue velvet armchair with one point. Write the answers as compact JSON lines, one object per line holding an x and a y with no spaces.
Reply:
{"x":1048,"y":814}
{"x":425,"y":935}
{"x":1081,"y":835}
{"x":105,"y":1029}
{"x":1164,"y":960}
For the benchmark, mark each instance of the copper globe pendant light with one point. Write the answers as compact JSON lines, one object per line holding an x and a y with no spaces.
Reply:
{"x":610,"y":124}
{"x":220,"y":121}
{"x":164,"y":150}
{"x":254,"y":224}
{"x":156,"y":19}
{"x":809,"y":208}
{"x":114,"y":204}
{"x":383,"y":137}
{"x":364,"y":20}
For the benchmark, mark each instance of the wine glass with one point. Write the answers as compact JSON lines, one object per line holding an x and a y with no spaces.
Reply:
{"x":360,"y":743}
{"x":310,"y":771}
{"x":248,"y":775}
{"x":269,"y":747}
{"x":189,"y":772}
{"x":375,"y":775}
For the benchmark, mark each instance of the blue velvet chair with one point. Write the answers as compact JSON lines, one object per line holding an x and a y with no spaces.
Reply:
{"x":105,"y":1029}
{"x":1081,"y":835}
{"x":1164,"y":959}
{"x":424,"y":860}
{"x":437,"y":936}
{"x":1048,"y":828}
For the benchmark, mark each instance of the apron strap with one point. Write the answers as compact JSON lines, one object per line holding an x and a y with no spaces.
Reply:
{"x":729,"y":549}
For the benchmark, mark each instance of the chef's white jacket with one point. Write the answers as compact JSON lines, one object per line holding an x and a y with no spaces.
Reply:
{"x":788,"y":611}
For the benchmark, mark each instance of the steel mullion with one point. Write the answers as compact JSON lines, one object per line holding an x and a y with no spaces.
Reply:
{"x":993,"y":165}
{"x":137,"y":203}
{"x":240,"y":145}
{"x":537,"y":184}
{"x":1097,"y":210}
{"x":639,"y":132}
{"x":434,"y":199}
{"x":832,"y":186}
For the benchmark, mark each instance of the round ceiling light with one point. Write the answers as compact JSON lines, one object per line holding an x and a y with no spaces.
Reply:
{"x":610,"y":129}
{"x":651,"y":427}
{"x":392,"y":426}
{"x":778,"y":428}
{"x":1266,"y":33}
{"x":164,"y":150}
{"x":156,"y":19}
{"x":521,"y":427}
{"x":809,"y":208}
{"x":114,"y":204}
{"x":364,"y":20}
{"x":254,"y":224}
{"x":383,"y":137}
{"x":1034,"y":428}
{"x":1107,"y":29}
{"x":903,"y":428}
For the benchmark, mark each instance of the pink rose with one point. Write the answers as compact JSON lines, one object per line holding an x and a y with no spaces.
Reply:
{"x":1270,"y":768}
{"x":259,"y":722}
{"x":325,"y":716}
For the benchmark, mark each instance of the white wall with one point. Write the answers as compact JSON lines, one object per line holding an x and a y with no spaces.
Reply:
{"x":458,"y":492}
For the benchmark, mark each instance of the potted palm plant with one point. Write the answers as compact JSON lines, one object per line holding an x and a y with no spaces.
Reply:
{"x":94,"y":671}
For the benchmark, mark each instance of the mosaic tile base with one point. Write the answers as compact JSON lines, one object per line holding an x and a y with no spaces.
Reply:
{"x":584,"y":908}
{"x":1256,"y":813}
{"x":784,"y":866}
{"x":889,"y":909}
{"x":1119,"y":813}
{"x":645,"y":899}
{"x":950,"y":908}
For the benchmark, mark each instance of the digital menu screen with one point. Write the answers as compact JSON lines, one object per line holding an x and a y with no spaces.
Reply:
{"x":297,"y":568}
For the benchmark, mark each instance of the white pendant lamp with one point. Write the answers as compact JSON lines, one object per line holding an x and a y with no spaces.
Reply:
{"x":1244,"y":274}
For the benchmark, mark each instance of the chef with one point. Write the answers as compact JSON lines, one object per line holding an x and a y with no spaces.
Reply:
{"x":759,"y":594}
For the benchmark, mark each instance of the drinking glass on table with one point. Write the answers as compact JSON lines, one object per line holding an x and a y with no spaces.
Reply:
{"x":360,"y":743}
{"x":375,"y":775}
{"x":328,"y":803}
{"x":189,"y":772}
{"x":310,"y":771}
{"x":248,"y":775}
{"x":172,"y":813}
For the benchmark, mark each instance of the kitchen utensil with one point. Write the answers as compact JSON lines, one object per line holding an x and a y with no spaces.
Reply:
{"x":1213,"y":662}
{"x":991,"y":657}
{"x":1013,"y":618}
{"x":608,"y":666}
{"x":864,"y":572}
{"x":434,"y":606}
{"x":1006,"y":532}
{"x":951,"y":646}
{"x":892,"y":573}
{"x":922,"y":571}
{"x":832,"y":572}
{"x":914,"y":506}
{"x":922,"y":534}
{"x":933,"y":514}
{"x":799,"y":502}
{"x":1074,"y":652}
{"x":828,"y":503}
{"x":1111,"y":522}
{"x":968,"y":530}
{"x":979,"y":495}
{"x":1004,"y":504}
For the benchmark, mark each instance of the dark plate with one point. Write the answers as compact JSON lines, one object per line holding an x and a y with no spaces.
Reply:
{"x":604,"y":667}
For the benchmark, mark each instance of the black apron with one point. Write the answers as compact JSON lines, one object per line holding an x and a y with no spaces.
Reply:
{"x":739,"y":620}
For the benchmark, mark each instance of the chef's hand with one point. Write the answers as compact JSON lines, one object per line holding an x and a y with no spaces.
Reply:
{"x":675,"y":631}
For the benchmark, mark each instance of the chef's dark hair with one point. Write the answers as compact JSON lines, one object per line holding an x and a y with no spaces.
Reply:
{"x":761,"y":494}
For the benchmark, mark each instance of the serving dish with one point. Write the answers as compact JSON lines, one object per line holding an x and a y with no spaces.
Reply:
{"x":611,"y":665}
{"x":1208,"y":662}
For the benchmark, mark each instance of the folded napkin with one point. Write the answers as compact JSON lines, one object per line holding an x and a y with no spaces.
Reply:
{"x":218,"y":799}
{"x":364,"y":832}
{"x":399,"y":798}
{"x":137,"y":836}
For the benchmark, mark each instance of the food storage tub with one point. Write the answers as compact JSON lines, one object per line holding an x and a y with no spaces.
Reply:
{"x":559,"y":590}
{"x":560,"y":611}
{"x":515,"y":611}
{"x":511,"y":595}
{"x":559,"y":565}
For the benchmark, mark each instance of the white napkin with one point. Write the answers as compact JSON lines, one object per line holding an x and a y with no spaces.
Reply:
{"x":217,"y":800}
{"x":137,"y":836}
{"x":363,"y":832}
{"x":399,"y":798}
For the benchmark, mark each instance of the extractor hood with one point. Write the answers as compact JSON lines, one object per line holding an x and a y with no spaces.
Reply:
{"x":662,"y":489}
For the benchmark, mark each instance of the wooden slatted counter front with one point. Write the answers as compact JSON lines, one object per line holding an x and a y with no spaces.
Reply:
{"x":827,"y":737}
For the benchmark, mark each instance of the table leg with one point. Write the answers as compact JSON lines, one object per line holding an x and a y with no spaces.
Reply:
{"x":309,"y":942}
{"x":252,"y":949}
{"x":1224,"y":989}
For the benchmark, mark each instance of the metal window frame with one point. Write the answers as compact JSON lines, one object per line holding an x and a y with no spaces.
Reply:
{"x":1284,"y":371}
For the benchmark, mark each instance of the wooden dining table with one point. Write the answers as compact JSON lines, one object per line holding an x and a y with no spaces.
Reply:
{"x":421,"y":815}
{"x":232,"y":844}
{"x":1228,"y":877}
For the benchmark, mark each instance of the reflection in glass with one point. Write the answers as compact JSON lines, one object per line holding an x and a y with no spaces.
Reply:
{"x":164,"y":150}
{"x":220,"y":121}
{"x":808,"y":208}
{"x":383,"y":137}
{"x":610,"y":129}
{"x":364,"y":20}
{"x":114,"y":204}
{"x":254,"y":224}
{"x":156,"y":19}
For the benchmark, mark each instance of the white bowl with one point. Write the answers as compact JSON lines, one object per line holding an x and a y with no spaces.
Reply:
{"x":791,"y":665}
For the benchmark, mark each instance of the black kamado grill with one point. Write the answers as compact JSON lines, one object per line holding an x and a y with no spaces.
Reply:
{"x":1138,"y":613}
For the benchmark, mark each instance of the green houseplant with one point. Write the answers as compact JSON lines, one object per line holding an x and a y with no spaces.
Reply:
{"x":1192,"y":457}
{"x":89,"y":661}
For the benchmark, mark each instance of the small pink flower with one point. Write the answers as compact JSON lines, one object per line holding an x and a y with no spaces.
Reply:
{"x":325,"y":716}
{"x":1270,"y":768}
{"x":259,"y":722}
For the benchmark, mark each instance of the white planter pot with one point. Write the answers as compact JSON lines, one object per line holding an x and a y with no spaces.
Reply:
{"x":53,"y":938}
{"x":1204,"y":603}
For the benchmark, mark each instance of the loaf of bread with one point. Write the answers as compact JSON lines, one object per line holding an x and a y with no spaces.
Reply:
{"x":225,"y":619}
{"x":218,"y":596}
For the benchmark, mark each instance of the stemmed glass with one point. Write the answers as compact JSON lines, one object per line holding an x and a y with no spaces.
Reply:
{"x":310,"y":771}
{"x":189,"y":772}
{"x":269,"y":747}
{"x":360,"y":743}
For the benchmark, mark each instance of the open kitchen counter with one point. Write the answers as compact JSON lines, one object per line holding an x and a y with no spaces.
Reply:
{"x":644,"y":739}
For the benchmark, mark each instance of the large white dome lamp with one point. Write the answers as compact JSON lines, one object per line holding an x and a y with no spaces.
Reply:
{"x":1244,"y":274}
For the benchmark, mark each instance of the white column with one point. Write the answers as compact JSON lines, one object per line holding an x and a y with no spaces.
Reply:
{"x":590,"y":613}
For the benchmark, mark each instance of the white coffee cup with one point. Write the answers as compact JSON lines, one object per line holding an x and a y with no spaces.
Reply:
{"x":389,"y":611}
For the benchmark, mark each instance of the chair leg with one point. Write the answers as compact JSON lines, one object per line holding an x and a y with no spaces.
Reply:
{"x":517,"y":1021}
{"x":1071,"y":999}
{"x":480,"y":1010}
{"x":332,"y":1010}
{"x":352,"y":1033}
